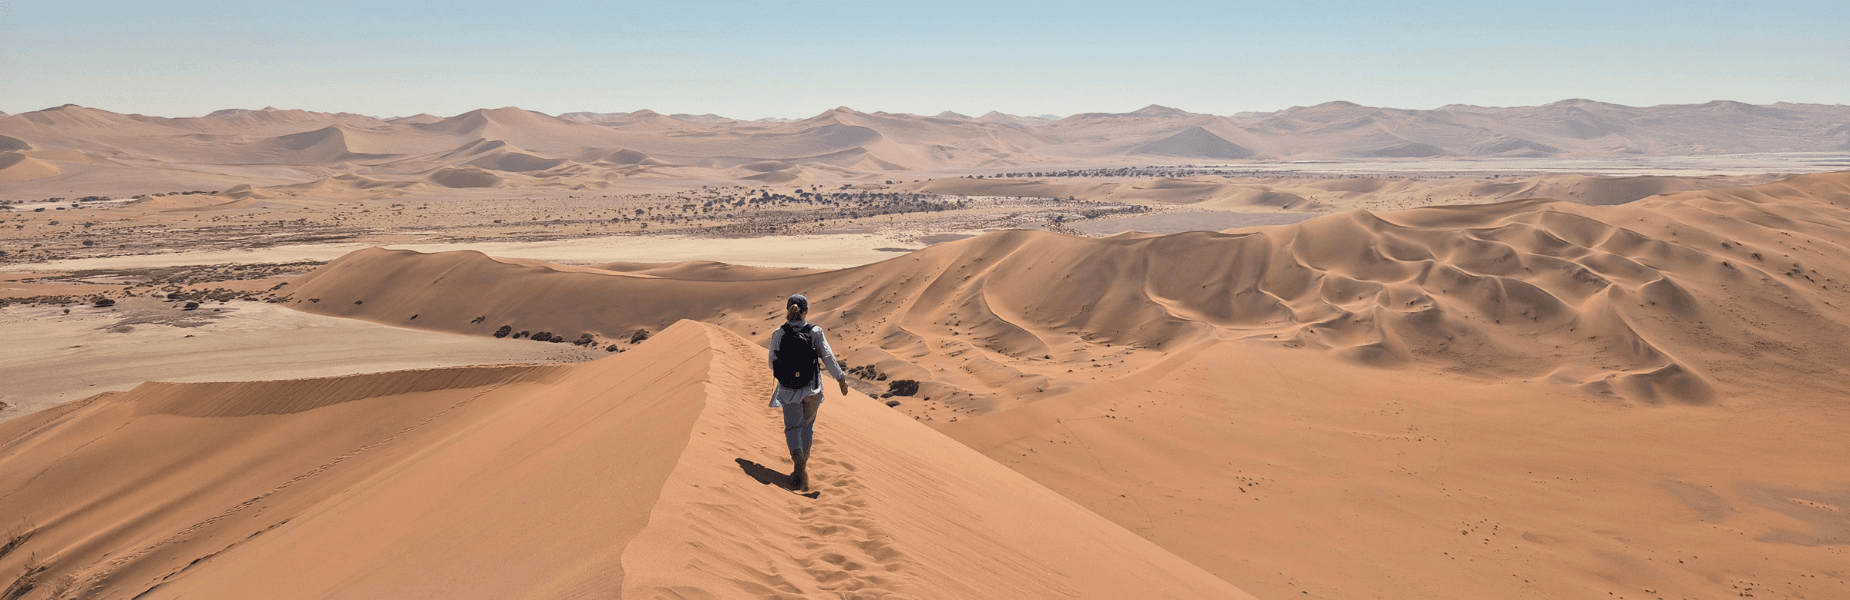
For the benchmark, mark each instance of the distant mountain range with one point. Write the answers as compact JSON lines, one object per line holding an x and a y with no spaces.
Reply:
{"x":510,"y":145}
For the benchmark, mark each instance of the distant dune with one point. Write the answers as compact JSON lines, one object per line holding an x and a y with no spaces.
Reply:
{"x":16,"y":166}
{"x":846,"y":143}
{"x":1195,"y":142}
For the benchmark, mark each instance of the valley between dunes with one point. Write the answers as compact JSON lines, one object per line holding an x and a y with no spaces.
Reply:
{"x":1523,"y":399}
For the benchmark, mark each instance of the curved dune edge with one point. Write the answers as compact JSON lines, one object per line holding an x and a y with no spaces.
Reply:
{"x":1647,"y":302}
{"x":17,"y":166}
{"x":633,"y":476}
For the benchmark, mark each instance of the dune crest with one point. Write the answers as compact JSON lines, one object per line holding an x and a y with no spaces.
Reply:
{"x":651,"y":473}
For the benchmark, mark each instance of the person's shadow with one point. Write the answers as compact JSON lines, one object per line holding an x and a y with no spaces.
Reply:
{"x":767,"y":476}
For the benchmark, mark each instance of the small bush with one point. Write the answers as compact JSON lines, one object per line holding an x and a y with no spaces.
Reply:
{"x":902,"y":387}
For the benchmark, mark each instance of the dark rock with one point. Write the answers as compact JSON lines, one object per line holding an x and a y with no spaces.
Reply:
{"x":522,"y":334}
{"x":610,"y":348}
{"x":478,"y":320}
{"x":892,"y":403}
{"x":413,"y":318}
{"x":190,"y":306}
{"x":357,"y":302}
{"x":584,"y":339}
{"x":639,"y":336}
{"x":903,"y":387}
{"x":503,"y":331}
{"x":102,"y":302}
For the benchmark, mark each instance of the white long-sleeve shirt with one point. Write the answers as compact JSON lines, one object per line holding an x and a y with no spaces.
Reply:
{"x":780,"y":394}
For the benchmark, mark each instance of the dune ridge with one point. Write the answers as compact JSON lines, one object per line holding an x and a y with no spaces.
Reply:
{"x":634,"y":476}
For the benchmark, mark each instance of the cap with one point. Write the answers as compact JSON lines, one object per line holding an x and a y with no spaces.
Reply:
{"x":799,"y":300}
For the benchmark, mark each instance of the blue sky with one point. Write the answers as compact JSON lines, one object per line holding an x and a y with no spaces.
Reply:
{"x":752,"y":59}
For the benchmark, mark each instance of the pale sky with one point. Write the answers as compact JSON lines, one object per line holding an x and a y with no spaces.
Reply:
{"x":752,"y":59}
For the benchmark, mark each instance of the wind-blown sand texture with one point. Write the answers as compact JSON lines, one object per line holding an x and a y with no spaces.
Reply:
{"x":653,"y":473}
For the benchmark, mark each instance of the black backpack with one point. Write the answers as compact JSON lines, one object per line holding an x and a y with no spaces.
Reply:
{"x":796,"y":363}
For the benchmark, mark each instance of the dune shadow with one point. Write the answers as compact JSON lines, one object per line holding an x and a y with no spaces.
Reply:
{"x":767,"y":476}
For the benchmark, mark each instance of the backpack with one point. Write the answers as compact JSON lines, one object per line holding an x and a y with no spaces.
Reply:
{"x":796,"y":363}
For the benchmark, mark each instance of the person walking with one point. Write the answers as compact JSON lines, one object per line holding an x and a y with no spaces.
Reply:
{"x":796,"y":348}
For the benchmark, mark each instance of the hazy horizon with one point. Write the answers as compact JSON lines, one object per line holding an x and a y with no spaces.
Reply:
{"x":671,"y":112}
{"x":752,"y":60}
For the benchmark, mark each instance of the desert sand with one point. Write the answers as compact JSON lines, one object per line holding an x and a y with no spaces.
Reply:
{"x":639,"y":475}
{"x":1578,"y":350}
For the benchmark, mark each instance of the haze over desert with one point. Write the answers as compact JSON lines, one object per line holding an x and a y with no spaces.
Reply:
{"x":460,"y":314}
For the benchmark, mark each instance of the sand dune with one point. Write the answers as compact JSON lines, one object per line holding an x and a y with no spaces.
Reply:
{"x":466,"y":177}
{"x":331,"y":144}
{"x":1195,"y":142}
{"x":857,"y":144}
{"x":631,"y":157}
{"x":10,"y":144}
{"x":1646,"y":302}
{"x":16,"y":166}
{"x":653,"y":473}
{"x":420,"y":118}
{"x":349,"y":184}
{"x":514,"y":161}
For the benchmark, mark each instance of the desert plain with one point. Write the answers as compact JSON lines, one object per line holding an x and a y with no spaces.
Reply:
{"x":1578,"y":350}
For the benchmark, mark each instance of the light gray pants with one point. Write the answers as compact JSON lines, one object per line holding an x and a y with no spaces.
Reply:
{"x":800,"y":422}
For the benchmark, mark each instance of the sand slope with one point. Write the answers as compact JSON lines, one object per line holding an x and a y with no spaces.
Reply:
{"x":647,"y":474}
{"x":1354,"y":482}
